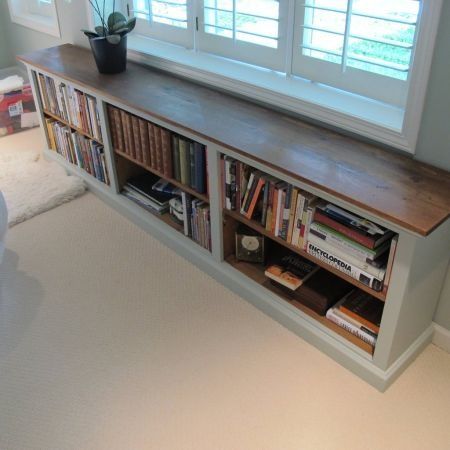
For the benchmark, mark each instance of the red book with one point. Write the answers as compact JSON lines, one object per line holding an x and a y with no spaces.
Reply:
{"x":255,"y":197}
{"x":352,"y":234}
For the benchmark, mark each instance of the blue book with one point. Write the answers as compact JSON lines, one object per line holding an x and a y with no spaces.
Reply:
{"x":200,"y":167}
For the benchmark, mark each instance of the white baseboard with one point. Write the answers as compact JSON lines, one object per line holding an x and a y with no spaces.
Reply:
{"x":441,"y":337}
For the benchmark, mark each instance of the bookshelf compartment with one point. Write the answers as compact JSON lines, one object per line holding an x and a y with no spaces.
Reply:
{"x":195,"y":224}
{"x":351,"y":247}
{"x":255,"y":271}
{"x":77,"y":149}
{"x":168,"y":155}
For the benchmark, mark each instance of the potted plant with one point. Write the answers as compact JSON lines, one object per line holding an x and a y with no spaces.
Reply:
{"x":109,"y":40}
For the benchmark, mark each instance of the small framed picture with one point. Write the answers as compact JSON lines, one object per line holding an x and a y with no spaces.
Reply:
{"x":250,"y":245}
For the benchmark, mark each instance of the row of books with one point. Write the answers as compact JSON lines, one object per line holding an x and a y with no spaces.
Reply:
{"x":354,"y":245}
{"x":160,"y":197}
{"x":282,"y":209}
{"x":196,"y":220}
{"x":76,"y":148}
{"x":304,"y":282}
{"x":70,"y":104}
{"x":360,"y":314}
{"x":171,"y":155}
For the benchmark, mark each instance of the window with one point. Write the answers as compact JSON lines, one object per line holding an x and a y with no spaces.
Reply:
{"x":252,"y":31}
{"x":361,"y":65}
{"x":360,"y":46}
{"x":170,"y":21}
{"x":39,"y":15}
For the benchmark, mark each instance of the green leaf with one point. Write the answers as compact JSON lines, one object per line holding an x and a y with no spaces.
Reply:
{"x":118,"y":25}
{"x":113,"y":38}
{"x":122,"y":30}
{"x":114,"y":18}
{"x":131,"y":24}
{"x":101,"y":31}
{"x":89,"y":33}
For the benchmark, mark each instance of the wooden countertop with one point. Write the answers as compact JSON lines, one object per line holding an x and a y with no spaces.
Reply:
{"x":411,"y":194}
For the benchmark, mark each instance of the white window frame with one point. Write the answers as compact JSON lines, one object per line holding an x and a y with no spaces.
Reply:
{"x":383,"y":88}
{"x":36,"y":15}
{"x":377,"y":121}
{"x":260,"y":55}
{"x":166,"y":32}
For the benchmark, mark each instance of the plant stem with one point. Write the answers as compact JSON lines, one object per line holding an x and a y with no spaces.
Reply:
{"x":104,"y":29}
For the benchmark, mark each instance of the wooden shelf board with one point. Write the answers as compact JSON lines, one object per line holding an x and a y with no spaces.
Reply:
{"x":176,"y":183}
{"x":257,"y":227}
{"x":391,"y":186}
{"x":79,"y":130}
{"x":256,"y":273}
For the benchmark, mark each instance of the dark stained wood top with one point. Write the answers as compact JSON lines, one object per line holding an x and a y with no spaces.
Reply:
{"x":411,"y":194}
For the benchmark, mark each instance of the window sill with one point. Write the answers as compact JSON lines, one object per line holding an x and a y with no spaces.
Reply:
{"x":374,"y":120}
{"x":37,"y":22}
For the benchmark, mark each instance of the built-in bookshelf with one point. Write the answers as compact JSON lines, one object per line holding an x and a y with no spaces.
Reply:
{"x":72,"y":125}
{"x":142,"y":146}
{"x":141,"y":117}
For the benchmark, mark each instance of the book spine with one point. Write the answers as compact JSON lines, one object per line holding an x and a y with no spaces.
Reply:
{"x":375,"y":272}
{"x":342,"y":242}
{"x":270,"y":199}
{"x":145,"y":145}
{"x":112,"y":127}
{"x":152,"y":143}
{"x":176,"y":158}
{"x":200,"y":167}
{"x":227,"y":163}
{"x":343,"y":266}
{"x":364,"y":336}
{"x":233,"y":184}
{"x":277,"y":207}
{"x":136,"y":138}
{"x":265,"y":203}
{"x":298,"y":219}
{"x":286,"y":213}
{"x":158,"y":148}
{"x":192,"y":183}
{"x":126,"y":141}
{"x":292,"y":211}
{"x":390,"y":263}
{"x":247,"y":192}
{"x":357,"y":320}
{"x":117,"y":124}
{"x":256,"y":192}
{"x":183,"y":160}
{"x":166,"y":153}
{"x":352,"y":234}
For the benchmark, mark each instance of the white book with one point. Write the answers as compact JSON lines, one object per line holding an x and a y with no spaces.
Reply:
{"x":355,"y":330}
{"x":342,"y":265}
{"x":298,"y":218}
{"x":378,"y":273}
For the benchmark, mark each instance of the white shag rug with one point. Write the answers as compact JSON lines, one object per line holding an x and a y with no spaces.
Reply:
{"x":32,"y":185}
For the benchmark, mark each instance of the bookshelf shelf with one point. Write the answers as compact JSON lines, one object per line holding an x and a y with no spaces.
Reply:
{"x":176,"y":183}
{"x":256,"y":273}
{"x":398,"y":193}
{"x":257,"y":227}
{"x":73,"y":127}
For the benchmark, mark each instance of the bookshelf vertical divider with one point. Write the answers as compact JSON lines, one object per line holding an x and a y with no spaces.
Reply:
{"x":418,"y":270}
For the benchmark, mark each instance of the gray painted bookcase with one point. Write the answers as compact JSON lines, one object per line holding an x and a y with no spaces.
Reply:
{"x":422,"y":254}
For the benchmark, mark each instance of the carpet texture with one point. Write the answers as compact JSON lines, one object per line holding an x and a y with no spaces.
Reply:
{"x":32,"y":185}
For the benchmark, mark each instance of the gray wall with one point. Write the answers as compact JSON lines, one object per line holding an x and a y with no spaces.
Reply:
{"x":434,"y":137}
{"x":6,"y":58}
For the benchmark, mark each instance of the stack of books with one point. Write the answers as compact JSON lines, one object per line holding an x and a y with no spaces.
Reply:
{"x":77,"y":149}
{"x":70,"y":104}
{"x":352,"y":244}
{"x":360,"y":314}
{"x":196,"y":220}
{"x":173,"y":156}
{"x":282,"y":209}
{"x":142,"y":190}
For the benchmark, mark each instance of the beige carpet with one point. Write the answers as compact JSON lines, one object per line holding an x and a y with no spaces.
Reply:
{"x":110,"y":341}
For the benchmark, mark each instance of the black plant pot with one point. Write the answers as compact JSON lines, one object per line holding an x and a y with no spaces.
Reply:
{"x":110,"y":58}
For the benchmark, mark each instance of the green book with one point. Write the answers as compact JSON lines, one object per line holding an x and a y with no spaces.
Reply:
{"x":176,"y":158}
{"x":185,"y":168}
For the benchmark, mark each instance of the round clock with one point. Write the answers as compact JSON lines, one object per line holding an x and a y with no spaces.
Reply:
{"x":250,"y":243}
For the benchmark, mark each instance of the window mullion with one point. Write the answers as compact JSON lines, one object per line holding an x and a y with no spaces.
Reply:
{"x":290,"y":24}
{"x":150,"y":11}
{"x":234,"y":21}
{"x":348,"y":21}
